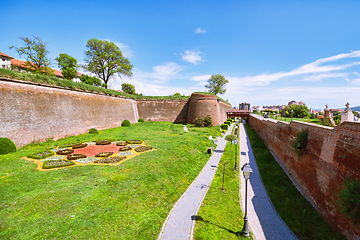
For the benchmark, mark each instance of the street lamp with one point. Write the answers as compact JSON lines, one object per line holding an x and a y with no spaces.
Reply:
{"x":246,"y":169}
{"x":236,"y":147}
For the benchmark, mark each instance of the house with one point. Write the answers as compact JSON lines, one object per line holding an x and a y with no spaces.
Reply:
{"x":5,"y":61}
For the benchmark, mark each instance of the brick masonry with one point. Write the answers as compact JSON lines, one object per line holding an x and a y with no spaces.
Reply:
{"x":332,"y":156}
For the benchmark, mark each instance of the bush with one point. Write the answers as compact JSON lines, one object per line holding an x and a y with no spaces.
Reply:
{"x":141,"y":120}
{"x":299,"y":142}
{"x":199,"y":122}
{"x":224,"y":126}
{"x":208,"y":121}
{"x":228,"y":123}
{"x":350,"y":200}
{"x":6,"y":146}
{"x":229,"y":120}
{"x":93,"y":131}
{"x":56,"y":164}
{"x":125,"y":123}
{"x":41,"y":155}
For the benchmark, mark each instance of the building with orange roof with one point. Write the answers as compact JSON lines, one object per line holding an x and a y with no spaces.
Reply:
{"x":5,"y":61}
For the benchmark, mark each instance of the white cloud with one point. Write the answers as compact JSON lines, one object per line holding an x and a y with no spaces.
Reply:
{"x":125,"y":50}
{"x":201,"y":77}
{"x":192,"y":57}
{"x":200,"y":31}
{"x":167,"y":69}
{"x":319,"y":77}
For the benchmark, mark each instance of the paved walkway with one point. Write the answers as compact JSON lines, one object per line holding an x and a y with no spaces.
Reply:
{"x":264,"y":221}
{"x":180,"y":222}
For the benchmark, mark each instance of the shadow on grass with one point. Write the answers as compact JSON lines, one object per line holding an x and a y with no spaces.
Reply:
{"x":199,"y":218}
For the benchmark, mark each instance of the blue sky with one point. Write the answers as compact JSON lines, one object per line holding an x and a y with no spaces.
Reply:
{"x":270,"y":51}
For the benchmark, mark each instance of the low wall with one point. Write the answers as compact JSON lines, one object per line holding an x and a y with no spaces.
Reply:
{"x":332,"y":156}
{"x":30,"y":111}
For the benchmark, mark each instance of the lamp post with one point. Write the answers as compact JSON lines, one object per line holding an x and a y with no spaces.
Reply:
{"x":236,"y":147}
{"x":292,"y":111}
{"x":246,"y":169}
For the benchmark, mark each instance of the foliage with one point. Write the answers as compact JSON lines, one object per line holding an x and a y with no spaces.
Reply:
{"x":220,"y":216}
{"x":57,"y":164}
{"x":208,"y":121}
{"x":313,"y":116}
{"x":199,"y":122}
{"x":337,"y":118}
{"x":228,"y":123}
{"x":141,"y":120}
{"x":93,"y":131}
{"x":326,"y":122}
{"x":134,"y":141}
{"x":75,"y":156}
{"x":67,"y":65}
{"x":224,"y":126}
{"x":255,"y":111}
{"x":349,"y":199}
{"x":90,"y":80}
{"x":143,"y":148}
{"x":299,"y":142}
{"x":216,"y":84}
{"x":230,"y":138}
{"x":128,"y":88}
{"x":291,"y":205}
{"x":299,"y":111}
{"x":41,"y":155}
{"x":110,"y":160}
{"x":35,"y":52}
{"x":6,"y":146}
{"x":177,"y":94}
{"x":105,"y":59}
{"x":125,"y":123}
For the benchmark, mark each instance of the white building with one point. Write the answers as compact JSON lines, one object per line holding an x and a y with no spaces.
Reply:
{"x":5,"y":61}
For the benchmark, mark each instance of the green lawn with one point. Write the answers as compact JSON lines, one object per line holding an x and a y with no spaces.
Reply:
{"x":128,"y":201}
{"x":308,"y":120}
{"x":292,"y":207}
{"x":220,"y":215}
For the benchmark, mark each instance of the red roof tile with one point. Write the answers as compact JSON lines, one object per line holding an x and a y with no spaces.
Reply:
{"x":3,"y":54}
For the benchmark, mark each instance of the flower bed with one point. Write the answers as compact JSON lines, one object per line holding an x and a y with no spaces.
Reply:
{"x":134,"y":145}
{"x":86,"y":160}
{"x":67,"y":145}
{"x":53,"y":158}
{"x":126,"y":153}
{"x":65,"y":151}
{"x":143,"y":148}
{"x":104,"y":154}
{"x":75,"y":156}
{"x":79,"y":145}
{"x":121,"y":143}
{"x":103,"y":142}
{"x":110,"y":160}
{"x":127,"y":148}
{"x":134,"y":141}
{"x":41,"y":155}
{"x":56,"y":164}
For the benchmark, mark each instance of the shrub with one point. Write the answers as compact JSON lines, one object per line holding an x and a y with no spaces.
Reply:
{"x":199,"y":122}
{"x":103,"y":142}
{"x":65,"y":152}
{"x":141,"y":120}
{"x":299,"y":142}
{"x":125,"y":123}
{"x":41,"y":155}
{"x":349,"y":199}
{"x":6,"y":146}
{"x":224,"y":126}
{"x":228,"y":123}
{"x":93,"y":131}
{"x":208,"y":121}
{"x":56,"y":164}
{"x":79,"y":145}
{"x":134,"y":141}
{"x":229,"y":119}
{"x":75,"y":156}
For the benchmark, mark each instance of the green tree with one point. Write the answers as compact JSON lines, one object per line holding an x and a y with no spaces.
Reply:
{"x":35,"y":52}
{"x":230,"y":138}
{"x":299,"y":111}
{"x":68,"y":65}
{"x":216,"y":84}
{"x":91,"y":80}
{"x":105,"y":59}
{"x":128,"y":88}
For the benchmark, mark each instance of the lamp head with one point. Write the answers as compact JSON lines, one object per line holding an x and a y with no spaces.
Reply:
{"x":247,"y":170}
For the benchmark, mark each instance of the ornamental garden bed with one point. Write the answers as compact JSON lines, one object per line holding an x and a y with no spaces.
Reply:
{"x":102,"y":152}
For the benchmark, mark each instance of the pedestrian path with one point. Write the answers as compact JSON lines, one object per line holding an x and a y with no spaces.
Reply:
{"x":264,"y":221}
{"x":179,"y":225}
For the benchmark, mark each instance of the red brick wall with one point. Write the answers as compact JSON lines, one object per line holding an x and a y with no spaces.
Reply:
{"x":156,"y":110}
{"x":332,"y":155}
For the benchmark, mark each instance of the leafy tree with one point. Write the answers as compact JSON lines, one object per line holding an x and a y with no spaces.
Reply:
{"x":299,"y":111}
{"x":91,"y":80}
{"x":35,"y":52}
{"x":208,"y":121}
{"x":230,"y":138}
{"x":105,"y":59}
{"x":216,"y":84}
{"x":199,"y":122}
{"x":128,"y":88}
{"x":177,"y":94}
{"x":68,"y":65}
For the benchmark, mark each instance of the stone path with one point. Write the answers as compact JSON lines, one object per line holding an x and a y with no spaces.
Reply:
{"x":264,"y":221}
{"x":180,"y":222}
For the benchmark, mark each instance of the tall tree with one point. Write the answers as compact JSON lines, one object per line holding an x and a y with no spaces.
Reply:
{"x":105,"y":59}
{"x":68,"y":65}
{"x":216,"y":84}
{"x":128,"y":88}
{"x":35,"y":52}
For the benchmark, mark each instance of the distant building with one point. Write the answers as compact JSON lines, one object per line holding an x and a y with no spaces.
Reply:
{"x":5,"y":61}
{"x":244,"y":106}
{"x":293,"y":102}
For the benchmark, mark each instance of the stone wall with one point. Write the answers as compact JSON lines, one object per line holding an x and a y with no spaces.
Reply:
{"x":331,"y":157}
{"x":31,"y":112}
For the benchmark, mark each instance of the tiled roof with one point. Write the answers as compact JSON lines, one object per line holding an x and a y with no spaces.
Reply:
{"x":3,"y":54}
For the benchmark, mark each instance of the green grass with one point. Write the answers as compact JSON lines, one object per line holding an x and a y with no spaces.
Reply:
{"x":220,"y":215}
{"x":308,"y":120}
{"x":292,"y":207}
{"x":128,"y":201}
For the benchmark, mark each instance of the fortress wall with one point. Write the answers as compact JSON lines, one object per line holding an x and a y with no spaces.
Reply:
{"x":332,"y":156}
{"x":223,"y":108}
{"x":159,"y":110}
{"x":29,"y":111}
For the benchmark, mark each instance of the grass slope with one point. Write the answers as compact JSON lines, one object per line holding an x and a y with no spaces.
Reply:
{"x":220,"y":216}
{"x":128,"y":201}
{"x":292,"y":207}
